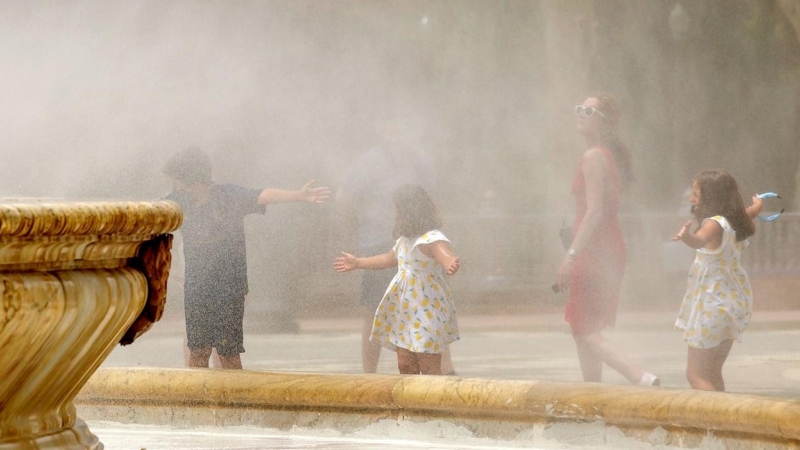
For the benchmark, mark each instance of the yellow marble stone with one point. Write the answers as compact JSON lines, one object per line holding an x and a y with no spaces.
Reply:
{"x":495,"y":408}
{"x":76,"y":279}
{"x":192,"y":387}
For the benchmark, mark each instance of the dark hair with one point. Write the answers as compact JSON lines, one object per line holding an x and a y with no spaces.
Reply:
{"x":189,"y":166}
{"x":609,"y":106}
{"x":416,"y":212}
{"x":720,"y":196}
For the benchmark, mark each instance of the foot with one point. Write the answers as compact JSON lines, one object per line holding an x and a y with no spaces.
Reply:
{"x":648,"y":379}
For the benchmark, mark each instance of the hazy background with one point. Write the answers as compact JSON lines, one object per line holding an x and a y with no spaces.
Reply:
{"x":98,"y":94}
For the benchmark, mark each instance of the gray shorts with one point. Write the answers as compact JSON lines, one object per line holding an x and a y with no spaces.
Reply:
{"x":216,"y":322}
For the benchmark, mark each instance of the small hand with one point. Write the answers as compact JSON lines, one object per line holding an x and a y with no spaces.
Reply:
{"x":564,"y":273}
{"x":312,"y":194}
{"x":453,"y":267}
{"x":682,"y":233}
{"x":344,"y":263}
{"x":758,"y":203}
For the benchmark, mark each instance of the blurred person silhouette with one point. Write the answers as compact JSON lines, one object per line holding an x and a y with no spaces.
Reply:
{"x":364,"y":207}
{"x":215,"y":252}
{"x":416,"y":316}
{"x":719,"y":299}
{"x":594,"y":265}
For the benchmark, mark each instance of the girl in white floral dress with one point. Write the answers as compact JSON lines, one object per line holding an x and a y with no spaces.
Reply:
{"x":416,"y":317}
{"x":719,"y":300}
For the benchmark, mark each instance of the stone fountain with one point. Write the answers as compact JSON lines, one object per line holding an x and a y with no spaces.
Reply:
{"x":75,"y":280}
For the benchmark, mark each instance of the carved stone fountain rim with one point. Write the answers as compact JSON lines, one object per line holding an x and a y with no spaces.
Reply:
{"x":102,"y":218}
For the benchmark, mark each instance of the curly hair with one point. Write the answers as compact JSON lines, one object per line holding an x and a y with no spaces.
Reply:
{"x":612,"y":113}
{"x":720,"y":196}
{"x":416,"y":212}
{"x":189,"y":166}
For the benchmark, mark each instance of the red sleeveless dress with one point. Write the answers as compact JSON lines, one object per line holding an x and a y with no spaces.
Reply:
{"x":597,"y":274}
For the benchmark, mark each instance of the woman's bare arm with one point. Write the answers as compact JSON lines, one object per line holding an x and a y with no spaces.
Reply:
{"x":594,"y":173}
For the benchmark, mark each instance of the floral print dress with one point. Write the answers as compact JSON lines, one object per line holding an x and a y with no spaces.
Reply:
{"x":719,"y":299}
{"x":417,"y":311}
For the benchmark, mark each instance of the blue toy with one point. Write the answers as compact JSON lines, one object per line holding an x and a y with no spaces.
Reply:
{"x":772,"y":217}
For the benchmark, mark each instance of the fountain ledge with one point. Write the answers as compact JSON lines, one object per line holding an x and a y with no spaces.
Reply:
{"x":500,"y":409}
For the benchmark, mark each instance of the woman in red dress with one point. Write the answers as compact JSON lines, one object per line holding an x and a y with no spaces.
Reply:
{"x":593,"y":267}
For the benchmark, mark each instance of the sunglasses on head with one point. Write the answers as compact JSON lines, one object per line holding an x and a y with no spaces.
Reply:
{"x":588,"y":111}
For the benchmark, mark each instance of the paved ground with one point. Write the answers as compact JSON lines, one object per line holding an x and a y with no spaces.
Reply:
{"x":767,"y":362}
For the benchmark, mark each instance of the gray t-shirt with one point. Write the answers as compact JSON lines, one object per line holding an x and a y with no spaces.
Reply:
{"x":214,"y":240}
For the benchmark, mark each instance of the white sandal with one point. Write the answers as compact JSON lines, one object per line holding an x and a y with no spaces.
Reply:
{"x":648,"y":379}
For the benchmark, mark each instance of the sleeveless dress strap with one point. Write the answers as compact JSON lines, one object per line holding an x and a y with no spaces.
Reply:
{"x":429,"y":237}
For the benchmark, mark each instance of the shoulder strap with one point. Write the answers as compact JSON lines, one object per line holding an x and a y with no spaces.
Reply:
{"x":429,"y":237}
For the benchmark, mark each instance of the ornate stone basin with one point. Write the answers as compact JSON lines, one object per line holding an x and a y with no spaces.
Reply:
{"x":75,"y":280}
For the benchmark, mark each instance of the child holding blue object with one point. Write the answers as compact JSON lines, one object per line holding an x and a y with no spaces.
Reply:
{"x":719,"y":299}
{"x":416,"y":317}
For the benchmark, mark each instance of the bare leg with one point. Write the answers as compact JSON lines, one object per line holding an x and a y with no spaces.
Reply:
{"x":407,"y":363}
{"x":719,"y":360}
{"x":215,"y":362}
{"x":198,"y":357}
{"x":429,"y":363}
{"x":231,"y":362}
{"x":447,"y":362}
{"x":370,"y":352}
{"x":591,"y":364}
{"x":704,"y":367}
{"x":598,"y":348}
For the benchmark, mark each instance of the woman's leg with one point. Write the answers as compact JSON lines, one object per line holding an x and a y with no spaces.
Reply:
{"x":591,"y":364}
{"x":704,"y":366}
{"x":594,"y":349}
{"x":407,"y":362}
{"x":429,"y":363}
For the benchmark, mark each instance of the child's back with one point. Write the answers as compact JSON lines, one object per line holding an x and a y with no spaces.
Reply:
{"x":417,"y":311}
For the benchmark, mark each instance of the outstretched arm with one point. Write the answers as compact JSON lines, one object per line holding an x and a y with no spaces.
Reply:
{"x":308,"y":193}
{"x":443,"y":254}
{"x":594,"y":173}
{"x":755,"y":209}
{"x":709,"y":235}
{"x":348,"y":262}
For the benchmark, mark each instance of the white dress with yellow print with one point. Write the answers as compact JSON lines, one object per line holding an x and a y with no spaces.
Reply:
{"x":417,"y":311}
{"x":719,"y":299}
